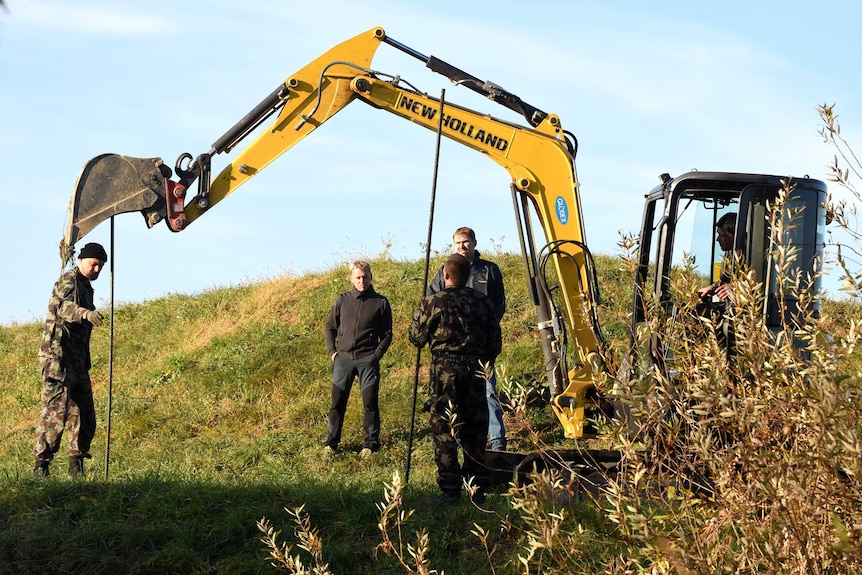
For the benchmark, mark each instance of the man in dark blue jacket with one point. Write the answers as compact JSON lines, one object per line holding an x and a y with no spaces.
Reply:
{"x":358,"y":333}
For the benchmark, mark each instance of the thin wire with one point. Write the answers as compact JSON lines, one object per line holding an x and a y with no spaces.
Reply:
{"x":425,"y":282}
{"x":110,"y":359}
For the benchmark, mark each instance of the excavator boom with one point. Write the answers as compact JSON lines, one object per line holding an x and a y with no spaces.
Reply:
{"x":539,"y":158}
{"x":111,"y":184}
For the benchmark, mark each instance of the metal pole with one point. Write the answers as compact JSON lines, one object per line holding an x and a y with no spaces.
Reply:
{"x":425,"y":282}
{"x":110,"y":359}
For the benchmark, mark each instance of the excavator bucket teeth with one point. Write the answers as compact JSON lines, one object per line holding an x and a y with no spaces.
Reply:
{"x":112,"y":184}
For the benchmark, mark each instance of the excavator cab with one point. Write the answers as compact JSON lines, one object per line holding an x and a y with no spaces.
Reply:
{"x":678,"y":232}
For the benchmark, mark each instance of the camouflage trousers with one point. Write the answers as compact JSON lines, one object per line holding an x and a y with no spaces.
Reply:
{"x":458,"y":391}
{"x":66,"y":405}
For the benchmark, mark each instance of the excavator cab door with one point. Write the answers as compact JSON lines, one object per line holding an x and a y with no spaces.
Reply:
{"x":783,"y":245}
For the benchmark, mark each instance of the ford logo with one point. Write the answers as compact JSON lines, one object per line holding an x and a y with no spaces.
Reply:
{"x":562,"y":210}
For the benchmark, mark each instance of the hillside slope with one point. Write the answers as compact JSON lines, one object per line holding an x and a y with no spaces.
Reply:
{"x":220,"y":399}
{"x":218,"y":414}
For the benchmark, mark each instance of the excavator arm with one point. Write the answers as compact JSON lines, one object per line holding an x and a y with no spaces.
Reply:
{"x":539,"y":159}
{"x":111,"y":184}
{"x":541,"y":164}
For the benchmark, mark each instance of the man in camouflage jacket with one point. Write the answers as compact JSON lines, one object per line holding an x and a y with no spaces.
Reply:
{"x":64,"y":357}
{"x":485,"y":277}
{"x":459,"y":325}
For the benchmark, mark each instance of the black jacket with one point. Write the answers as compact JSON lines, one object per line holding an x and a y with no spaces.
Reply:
{"x":359,"y":324}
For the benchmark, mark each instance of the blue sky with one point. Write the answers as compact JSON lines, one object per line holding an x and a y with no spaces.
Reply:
{"x":646,"y":87}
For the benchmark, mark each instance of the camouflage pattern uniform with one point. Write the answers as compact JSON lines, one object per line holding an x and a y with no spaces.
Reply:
{"x":460,"y":327}
{"x":64,"y":356}
{"x":486,"y":278}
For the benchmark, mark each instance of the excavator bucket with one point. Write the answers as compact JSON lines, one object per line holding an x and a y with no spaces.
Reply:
{"x":112,"y":184}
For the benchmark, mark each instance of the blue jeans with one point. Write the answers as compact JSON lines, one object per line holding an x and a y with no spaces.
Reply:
{"x":496,"y":430}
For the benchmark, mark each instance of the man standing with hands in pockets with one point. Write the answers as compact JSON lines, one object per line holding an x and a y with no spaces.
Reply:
{"x":358,"y":333}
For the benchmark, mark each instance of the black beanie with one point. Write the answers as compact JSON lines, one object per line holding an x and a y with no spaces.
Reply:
{"x":93,"y":250}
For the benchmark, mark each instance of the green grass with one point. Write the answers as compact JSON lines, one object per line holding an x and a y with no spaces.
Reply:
{"x":218,"y":417}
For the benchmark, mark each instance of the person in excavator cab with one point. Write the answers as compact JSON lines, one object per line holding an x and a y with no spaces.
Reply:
{"x":724,"y":230}
{"x":715,"y":297}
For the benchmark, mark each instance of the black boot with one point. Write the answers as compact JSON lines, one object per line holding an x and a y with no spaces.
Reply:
{"x":41,"y":469}
{"x":76,"y":465}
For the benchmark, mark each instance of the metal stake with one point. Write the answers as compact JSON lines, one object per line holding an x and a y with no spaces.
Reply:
{"x":425,"y":282}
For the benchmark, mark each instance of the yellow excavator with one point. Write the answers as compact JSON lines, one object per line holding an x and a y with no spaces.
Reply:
{"x":540,"y":159}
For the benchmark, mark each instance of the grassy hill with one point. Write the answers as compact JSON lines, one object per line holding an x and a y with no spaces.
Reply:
{"x":218,"y":414}
{"x":218,"y":417}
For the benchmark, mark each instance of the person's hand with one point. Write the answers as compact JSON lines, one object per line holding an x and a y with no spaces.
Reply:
{"x":93,"y":317}
{"x":723,"y":291}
